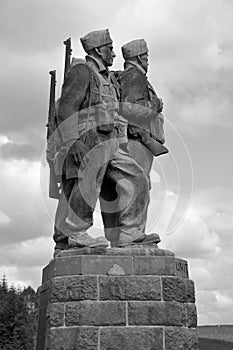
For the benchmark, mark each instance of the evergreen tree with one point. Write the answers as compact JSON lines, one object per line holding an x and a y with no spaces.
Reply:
{"x":17,"y":313}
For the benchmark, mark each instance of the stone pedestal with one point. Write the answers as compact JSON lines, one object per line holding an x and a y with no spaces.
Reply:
{"x":117,"y":299}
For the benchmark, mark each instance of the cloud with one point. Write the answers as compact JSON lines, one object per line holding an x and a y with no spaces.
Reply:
{"x":205,"y":239}
{"x":214,"y":308}
{"x":207,"y":223}
{"x":21,"y":202}
{"x":191,"y":237}
{"x":208,"y":272}
{"x":194,"y":240}
{"x":33,"y":253}
{"x":26,"y":227}
{"x":11,"y":151}
{"x":22,"y":277}
{"x":4,"y":219}
{"x":22,"y":262}
{"x":46,"y":21}
{"x":24,"y":106}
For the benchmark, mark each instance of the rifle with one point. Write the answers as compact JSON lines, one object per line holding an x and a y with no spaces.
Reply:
{"x":67,"y":44}
{"x":53,"y":133}
{"x":51,"y":144}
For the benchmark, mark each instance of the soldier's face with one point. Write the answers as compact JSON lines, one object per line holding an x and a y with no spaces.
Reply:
{"x":144,"y":61}
{"x":107,"y":55}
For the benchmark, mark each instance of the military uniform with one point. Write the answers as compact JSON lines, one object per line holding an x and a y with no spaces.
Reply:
{"x":142,"y":108}
{"x":88,"y":116}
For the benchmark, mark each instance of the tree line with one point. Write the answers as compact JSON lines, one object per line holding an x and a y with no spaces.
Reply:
{"x":17,"y":317}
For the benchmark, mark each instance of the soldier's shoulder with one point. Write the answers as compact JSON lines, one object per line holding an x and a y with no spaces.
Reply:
{"x":133,"y":76}
{"x":77,"y":60}
{"x":133,"y":72}
{"x":79,"y":68}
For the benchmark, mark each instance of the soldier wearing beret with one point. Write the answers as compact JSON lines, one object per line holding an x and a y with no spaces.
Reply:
{"x":141,"y":107}
{"x":92,"y":130}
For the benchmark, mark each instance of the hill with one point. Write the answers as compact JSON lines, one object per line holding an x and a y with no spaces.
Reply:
{"x":214,"y":344}
{"x":219,"y":332}
{"x":218,"y":337}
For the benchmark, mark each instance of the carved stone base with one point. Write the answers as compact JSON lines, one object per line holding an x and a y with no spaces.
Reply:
{"x":121,"y":299}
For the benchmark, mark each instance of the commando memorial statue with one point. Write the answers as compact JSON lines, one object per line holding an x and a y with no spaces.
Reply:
{"x":92,"y":159}
{"x":117,"y":291}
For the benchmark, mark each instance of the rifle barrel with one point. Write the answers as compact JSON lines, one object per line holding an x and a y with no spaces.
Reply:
{"x":68,"y":52}
{"x":52,"y":92}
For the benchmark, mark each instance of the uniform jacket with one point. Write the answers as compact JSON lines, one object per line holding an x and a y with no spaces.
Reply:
{"x":89,"y":101}
{"x":141,"y":106}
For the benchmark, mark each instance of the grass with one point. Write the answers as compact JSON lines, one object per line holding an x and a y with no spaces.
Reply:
{"x":214,"y":344}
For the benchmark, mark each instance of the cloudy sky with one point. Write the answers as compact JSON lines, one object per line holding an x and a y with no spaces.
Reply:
{"x":191,"y":67}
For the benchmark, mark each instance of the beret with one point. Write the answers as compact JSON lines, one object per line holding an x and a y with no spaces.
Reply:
{"x":134,"y":48}
{"x":96,"y":38}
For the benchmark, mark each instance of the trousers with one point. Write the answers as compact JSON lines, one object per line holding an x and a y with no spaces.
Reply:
{"x":144,"y":158}
{"x":107,"y":166}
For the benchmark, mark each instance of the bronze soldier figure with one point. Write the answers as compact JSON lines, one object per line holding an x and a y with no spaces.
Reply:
{"x":141,"y":107}
{"x":91,"y":130}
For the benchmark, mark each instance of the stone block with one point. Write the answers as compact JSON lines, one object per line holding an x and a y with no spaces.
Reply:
{"x":72,"y":265}
{"x":87,"y":265}
{"x":191,"y":315}
{"x":131,"y":338}
{"x":75,"y":338}
{"x":94,"y":313}
{"x":43,"y":295}
{"x":174,"y":289}
{"x":154,"y":265}
{"x":190,"y":290}
{"x":82,"y":251}
{"x":139,"y":250}
{"x":71,"y":288}
{"x":129,"y":251}
{"x":56,"y":314}
{"x":178,"y":289}
{"x":157,"y":313}
{"x":48,"y":272}
{"x":43,"y":323}
{"x":181,"y":269}
{"x":130,"y":288}
{"x":180,"y":338}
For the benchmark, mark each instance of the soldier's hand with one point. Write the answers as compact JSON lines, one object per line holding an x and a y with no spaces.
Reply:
{"x":157,"y":105}
{"x":160,"y":108}
{"x":79,"y":151}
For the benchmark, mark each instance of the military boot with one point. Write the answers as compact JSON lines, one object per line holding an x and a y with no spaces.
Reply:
{"x":81,"y":240}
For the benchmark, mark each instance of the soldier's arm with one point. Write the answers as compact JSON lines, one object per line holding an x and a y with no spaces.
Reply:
{"x":133,"y":90}
{"x":74,"y":91}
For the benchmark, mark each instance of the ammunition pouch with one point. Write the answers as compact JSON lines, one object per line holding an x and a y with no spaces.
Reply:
{"x":156,"y":147}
